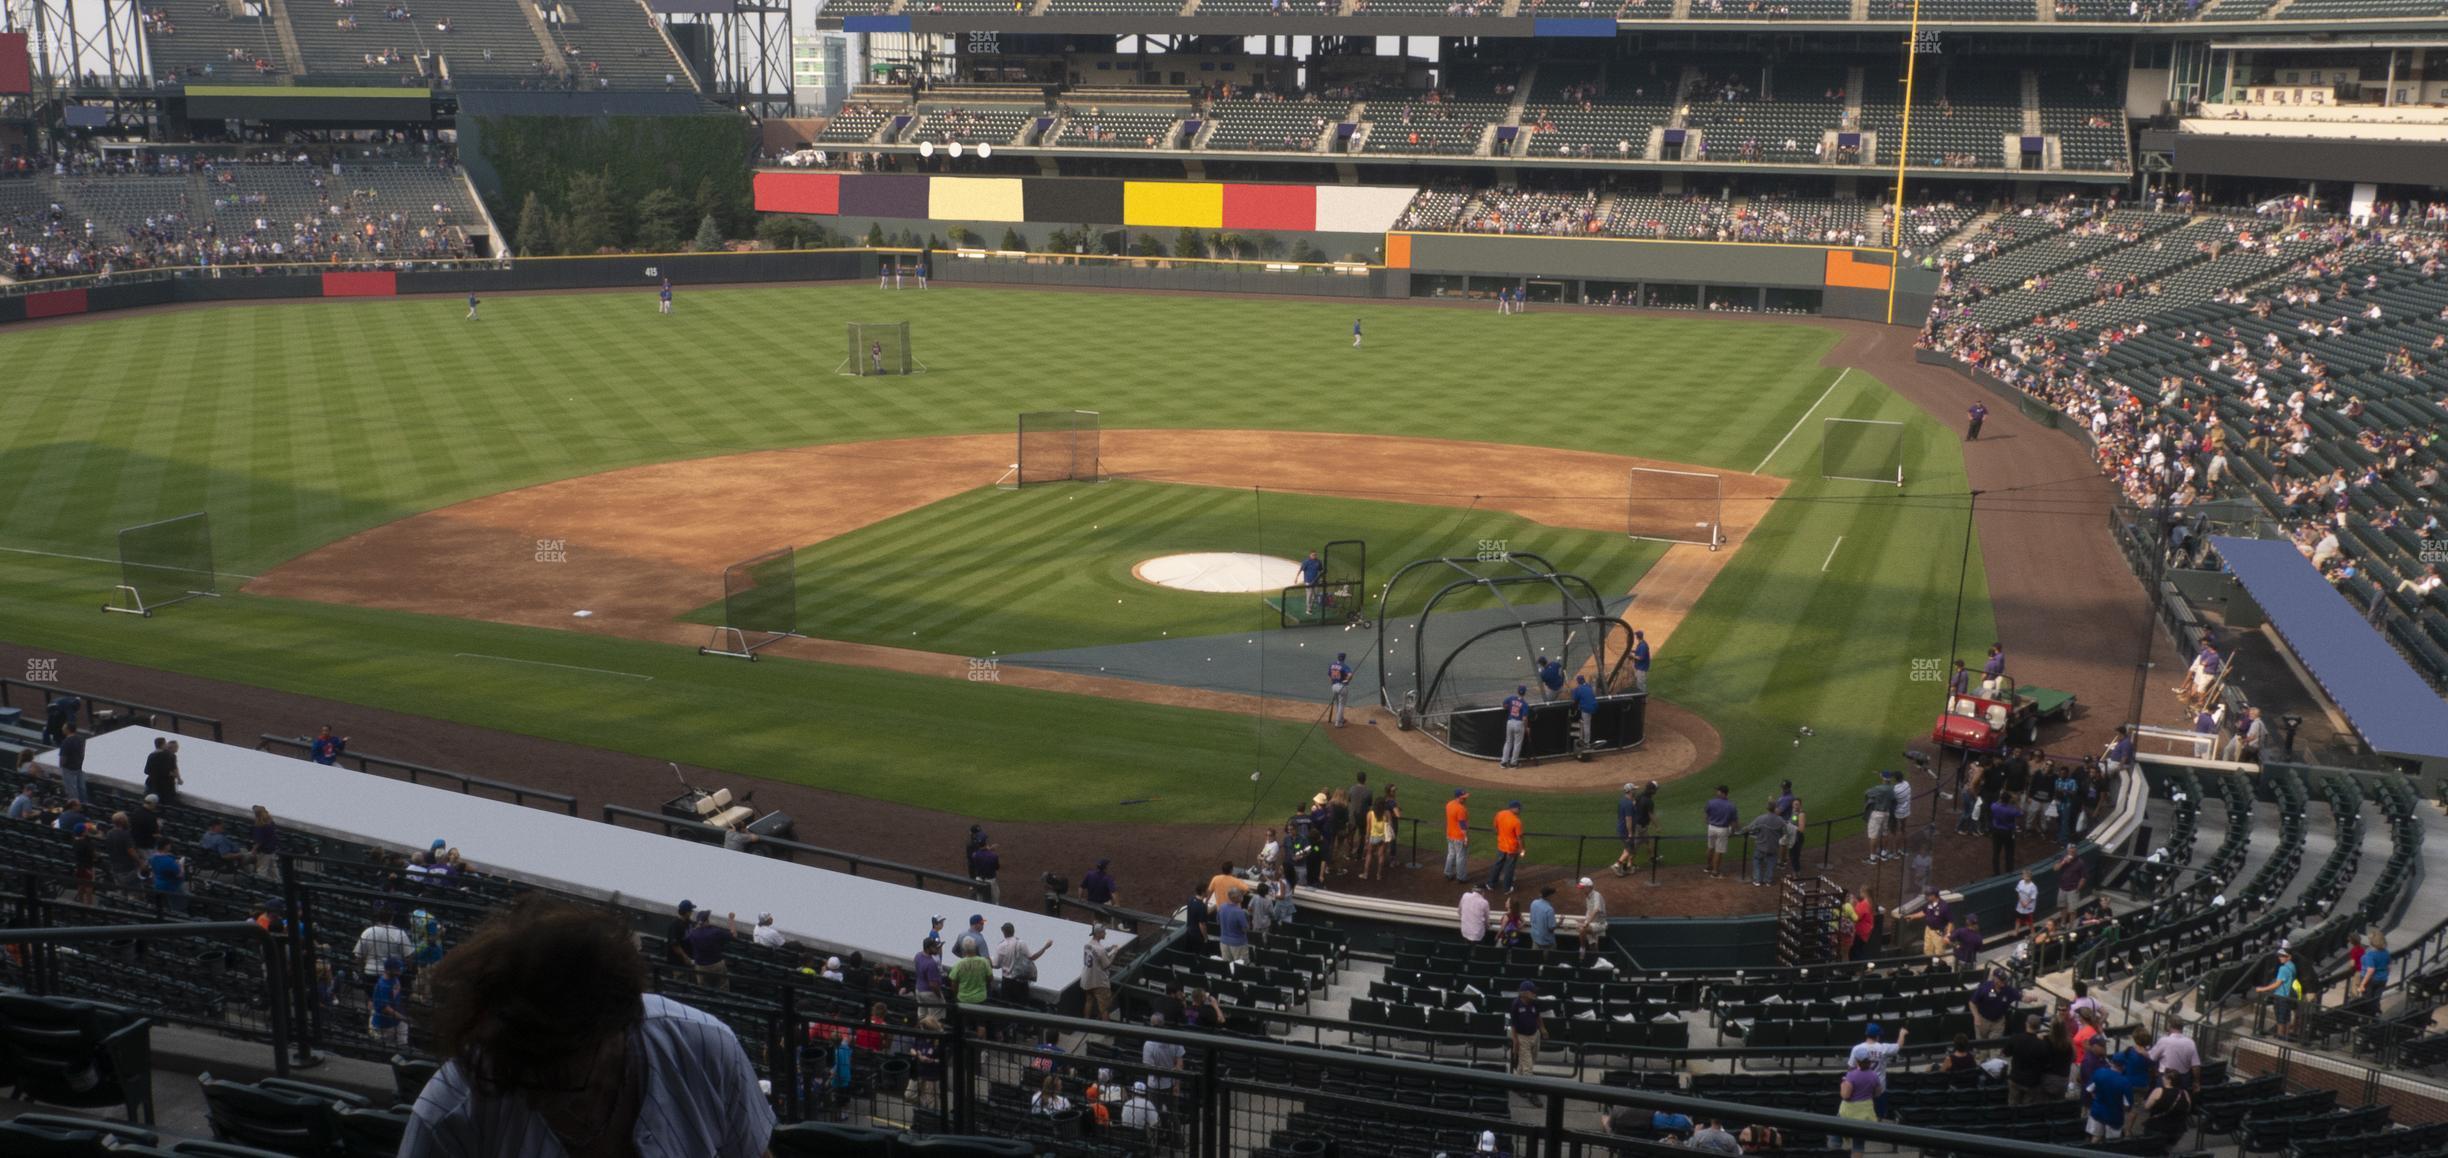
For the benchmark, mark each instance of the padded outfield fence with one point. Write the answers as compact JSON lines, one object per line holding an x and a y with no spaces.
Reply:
{"x":760,"y":598}
{"x":1057,"y":446}
{"x":165,"y":562}
{"x":1675,"y":506}
{"x":1861,"y":450}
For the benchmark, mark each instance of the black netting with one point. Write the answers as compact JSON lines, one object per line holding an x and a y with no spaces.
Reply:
{"x":1058,"y":446}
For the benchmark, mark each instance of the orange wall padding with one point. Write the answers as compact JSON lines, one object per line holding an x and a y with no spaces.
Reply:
{"x":1845,"y":269}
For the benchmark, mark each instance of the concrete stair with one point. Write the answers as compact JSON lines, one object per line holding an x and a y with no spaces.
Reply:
{"x":291,"y":55}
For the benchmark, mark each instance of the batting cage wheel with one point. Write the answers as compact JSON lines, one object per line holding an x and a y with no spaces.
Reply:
{"x":165,"y":562}
{"x":879,"y":348}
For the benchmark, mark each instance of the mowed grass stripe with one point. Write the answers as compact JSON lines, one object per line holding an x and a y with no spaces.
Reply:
{"x":1009,"y":582}
{"x":1049,"y":567}
{"x":299,"y":425}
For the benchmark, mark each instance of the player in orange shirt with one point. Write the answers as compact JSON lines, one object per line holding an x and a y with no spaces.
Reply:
{"x":1457,"y":836}
{"x":1508,"y":847}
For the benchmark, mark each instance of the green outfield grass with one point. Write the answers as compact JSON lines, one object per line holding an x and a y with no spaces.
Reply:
{"x":1049,"y":567}
{"x":296,"y":425}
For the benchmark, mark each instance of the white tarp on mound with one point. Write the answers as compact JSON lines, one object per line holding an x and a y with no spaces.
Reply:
{"x":1219,"y":571}
{"x":829,"y":910}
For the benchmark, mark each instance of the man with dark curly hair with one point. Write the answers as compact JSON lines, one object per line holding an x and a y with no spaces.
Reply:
{"x":552,"y":1046}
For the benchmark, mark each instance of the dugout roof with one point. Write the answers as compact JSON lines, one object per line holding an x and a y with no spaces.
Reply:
{"x":2393,"y":708}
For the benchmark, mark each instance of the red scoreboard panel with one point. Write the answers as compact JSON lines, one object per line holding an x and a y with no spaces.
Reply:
{"x":16,"y":68}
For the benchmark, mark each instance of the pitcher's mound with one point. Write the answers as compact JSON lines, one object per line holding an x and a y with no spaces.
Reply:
{"x":1227,"y":571}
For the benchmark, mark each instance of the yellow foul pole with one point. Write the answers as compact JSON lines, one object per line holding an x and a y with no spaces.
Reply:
{"x":1895,"y":226}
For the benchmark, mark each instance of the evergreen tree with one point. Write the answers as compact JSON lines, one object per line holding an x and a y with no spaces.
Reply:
{"x":709,"y":203}
{"x":535,"y":228}
{"x":658,"y":221}
{"x":783,"y":230}
{"x":709,"y":235}
{"x":593,"y":220}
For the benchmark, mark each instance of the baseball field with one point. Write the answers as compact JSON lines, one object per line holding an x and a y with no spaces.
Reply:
{"x":410,"y":509}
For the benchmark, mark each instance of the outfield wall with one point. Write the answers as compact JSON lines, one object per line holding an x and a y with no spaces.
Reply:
{"x":1471,"y":265}
{"x":1356,"y":223}
{"x":640,"y":271}
{"x":1237,"y":206}
{"x":1835,"y":281}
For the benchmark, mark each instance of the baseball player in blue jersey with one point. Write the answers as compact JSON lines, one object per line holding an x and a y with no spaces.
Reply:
{"x":1517,"y":724}
{"x":471,"y":305}
{"x":1312,"y":573}
{"x":1640,"y":661}
{"x":1585,"y":698}
{"x":1551,"y":677}
{"x":1355,"y":333}
{"x":1338,"y":683}
{"x":665,"y":296}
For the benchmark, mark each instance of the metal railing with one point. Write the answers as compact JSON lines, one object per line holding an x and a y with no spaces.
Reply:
{"x":1212,"y":1094}
{"x":791,"y":850}
{"x":1317,"y":1030}
{"x":43,"y":974}
{"x":145,"y":714}
{"x":419,"y":774}
{"x":1932,"y":809}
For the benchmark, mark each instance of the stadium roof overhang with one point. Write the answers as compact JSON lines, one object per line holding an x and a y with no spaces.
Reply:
{"x":2332,"y":41}
{"x":337,"y":104}
{"x":2301,"y":157}
{"x":1541,"y":27}
{"x":2390,"y":706}
{"x":1596,"y":163}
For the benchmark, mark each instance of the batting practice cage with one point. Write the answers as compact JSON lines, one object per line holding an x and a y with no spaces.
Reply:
{"x":1341,"y":593}
{"x":1862,"y":450}
{"x":1456,"y":636}
{"x":760,"y":599}
{"x":162,"y":563}
{"x":1055,"y":446}
{"x":1676,"y":506}
{"x":880,"y":348}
